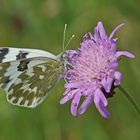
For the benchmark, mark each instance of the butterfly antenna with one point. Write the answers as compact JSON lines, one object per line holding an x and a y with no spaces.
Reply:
{"x":69,"y":41}
{"x":64,"y":36}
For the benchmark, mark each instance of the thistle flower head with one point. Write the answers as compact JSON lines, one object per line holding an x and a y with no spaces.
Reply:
{"x":93,"y":73}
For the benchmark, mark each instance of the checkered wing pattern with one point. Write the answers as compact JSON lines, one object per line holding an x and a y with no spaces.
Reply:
{"x":27,"y":81}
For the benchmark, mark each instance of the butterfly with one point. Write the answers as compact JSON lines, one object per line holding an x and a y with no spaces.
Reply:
{"x":28,"y":75}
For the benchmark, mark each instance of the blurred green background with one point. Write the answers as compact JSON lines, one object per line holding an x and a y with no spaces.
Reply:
{"x":39,"y":24}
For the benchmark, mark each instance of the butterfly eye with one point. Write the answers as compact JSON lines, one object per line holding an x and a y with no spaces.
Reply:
{"x":65,"y":56}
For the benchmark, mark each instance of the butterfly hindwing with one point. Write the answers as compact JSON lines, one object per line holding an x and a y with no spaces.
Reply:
{"x":28,"y":81}
{"x":9,"y":71}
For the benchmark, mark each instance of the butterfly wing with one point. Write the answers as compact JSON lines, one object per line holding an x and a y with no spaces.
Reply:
{"x":28,"y":81}
{"x":11,"y":54}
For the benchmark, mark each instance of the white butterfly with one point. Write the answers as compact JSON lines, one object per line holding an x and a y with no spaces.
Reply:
{"x":28,"y":75}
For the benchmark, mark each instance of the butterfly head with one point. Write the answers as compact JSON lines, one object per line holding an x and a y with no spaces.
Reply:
{"x":63,"y":57}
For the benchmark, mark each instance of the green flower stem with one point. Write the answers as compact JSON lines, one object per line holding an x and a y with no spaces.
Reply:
{"x":130,"y":98}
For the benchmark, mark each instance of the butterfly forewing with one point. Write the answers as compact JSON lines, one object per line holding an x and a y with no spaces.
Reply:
{"x":11,"y":54}
{"x":28,"y":81}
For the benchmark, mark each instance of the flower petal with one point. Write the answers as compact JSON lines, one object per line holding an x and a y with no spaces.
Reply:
{"x":66,"y":92}
{"x":91,"y":37}
{"x":102,"y":110}
{"x":113,"y":46}
{"x":125,"y":53}
{"x":99,"y":95}
{"x":100,"y":105}
{"x":84,"y":105}
{"x":75,"y":103}
{"x":85,"y":37}
{"x":107,"y":83}
{"x":118,"y":78}
{"x":114,"y":31}
{"x":72,"y":85}
{"x":101,"y":31}
{"x":66,"y":98}
{"x":114,"y":65}
{"x":69,"y":96}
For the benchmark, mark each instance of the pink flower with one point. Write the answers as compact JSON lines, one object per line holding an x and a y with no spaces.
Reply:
{"x":93,"y":72}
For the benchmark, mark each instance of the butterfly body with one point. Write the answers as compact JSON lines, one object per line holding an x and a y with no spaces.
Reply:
{"x":28,"y":75}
